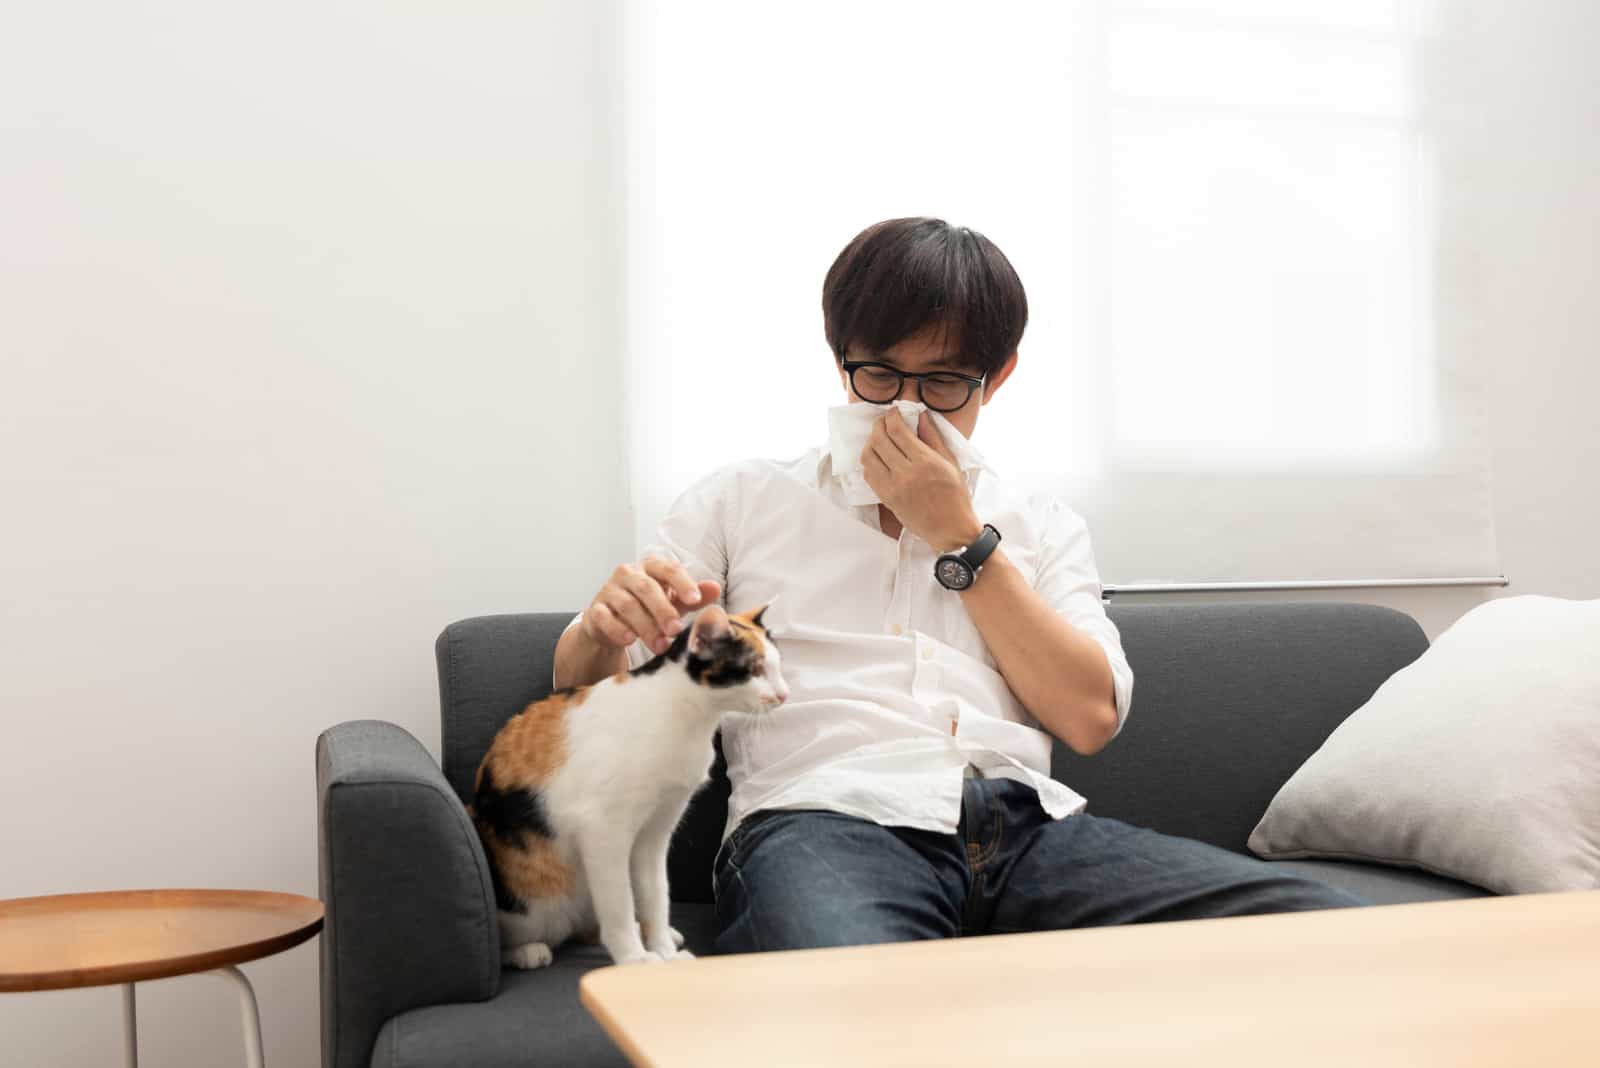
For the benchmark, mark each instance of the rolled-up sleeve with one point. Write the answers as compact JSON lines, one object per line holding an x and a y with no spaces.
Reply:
{"x":1069,"y":581}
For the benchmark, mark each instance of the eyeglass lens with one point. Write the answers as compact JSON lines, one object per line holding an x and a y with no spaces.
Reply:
{"x":939,"y":392}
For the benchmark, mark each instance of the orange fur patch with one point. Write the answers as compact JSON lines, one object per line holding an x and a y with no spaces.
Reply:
{"x":533,"y":745}
{"x":533,"y":872}
{"x":748,"y":631}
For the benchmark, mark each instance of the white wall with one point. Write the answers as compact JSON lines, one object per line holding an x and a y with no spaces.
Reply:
{"x":307,"y":329}
{"x":1527,"y":132}
{"x":306,"y":317}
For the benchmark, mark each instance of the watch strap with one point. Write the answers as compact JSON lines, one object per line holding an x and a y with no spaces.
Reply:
{"x":981,"y":548}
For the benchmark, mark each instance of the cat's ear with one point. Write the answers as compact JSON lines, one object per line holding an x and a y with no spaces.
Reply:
{"x":710,"y":626}
{"x":756,"y":618}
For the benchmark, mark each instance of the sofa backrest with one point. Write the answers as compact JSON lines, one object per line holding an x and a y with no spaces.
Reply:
{"x":1229,"y":699}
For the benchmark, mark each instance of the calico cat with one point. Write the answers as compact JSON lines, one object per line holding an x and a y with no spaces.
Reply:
{"x":577,"y":797}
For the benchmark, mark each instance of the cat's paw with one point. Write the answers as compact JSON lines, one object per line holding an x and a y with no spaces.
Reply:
{"x":644,"y":956}
{"x":676,"y":936}
{"x":669,"y":950}
{"x":528,"y":956}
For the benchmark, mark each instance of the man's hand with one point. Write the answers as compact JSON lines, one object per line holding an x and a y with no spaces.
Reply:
{"x":918,"y":478}
{"x":647,"y":601}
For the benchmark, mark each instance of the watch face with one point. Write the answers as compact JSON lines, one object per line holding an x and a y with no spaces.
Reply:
{"x":954,"y":574}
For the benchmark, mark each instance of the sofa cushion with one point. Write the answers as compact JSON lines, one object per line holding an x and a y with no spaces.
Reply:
{"x":1382,"y":885}
{"x":536,"y":1019}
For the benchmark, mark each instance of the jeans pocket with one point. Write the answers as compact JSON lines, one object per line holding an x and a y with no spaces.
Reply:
{"x":740,"y":838}
{"x":728,"y":853}
{"x":717,"y":862}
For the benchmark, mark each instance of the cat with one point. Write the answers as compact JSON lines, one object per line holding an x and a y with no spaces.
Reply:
{"x":578,"y":795}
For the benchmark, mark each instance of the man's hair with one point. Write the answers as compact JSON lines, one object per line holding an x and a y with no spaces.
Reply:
{"x":901,"y":276}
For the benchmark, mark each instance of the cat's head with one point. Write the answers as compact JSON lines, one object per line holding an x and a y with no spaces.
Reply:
{"x":734,"y":654}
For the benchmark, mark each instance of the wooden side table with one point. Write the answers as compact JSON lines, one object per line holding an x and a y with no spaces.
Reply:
{"x":129,"y":936}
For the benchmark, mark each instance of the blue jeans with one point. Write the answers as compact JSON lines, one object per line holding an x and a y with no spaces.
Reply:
{"x":798,"y":879}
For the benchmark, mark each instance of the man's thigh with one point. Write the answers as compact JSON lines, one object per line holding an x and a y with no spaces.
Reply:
{"x":796,"y":880}
{"x":1085,"y":871}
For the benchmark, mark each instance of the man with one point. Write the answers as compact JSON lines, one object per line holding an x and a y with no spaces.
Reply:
{"x":904,"y":790}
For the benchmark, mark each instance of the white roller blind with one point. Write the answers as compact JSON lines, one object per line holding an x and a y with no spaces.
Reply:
{"x":1221,"y":212}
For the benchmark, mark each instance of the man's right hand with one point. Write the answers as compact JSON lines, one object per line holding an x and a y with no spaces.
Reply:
{"x":647,"y":601}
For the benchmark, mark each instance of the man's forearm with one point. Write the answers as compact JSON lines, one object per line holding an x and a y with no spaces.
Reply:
{"x":581,"y":661}
{"x":1060,"y":674}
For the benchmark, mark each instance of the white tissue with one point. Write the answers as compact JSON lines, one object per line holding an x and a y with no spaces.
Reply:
{"x":849,"y":427}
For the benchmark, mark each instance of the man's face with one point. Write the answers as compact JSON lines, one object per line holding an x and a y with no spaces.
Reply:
{"x":924,"y":352}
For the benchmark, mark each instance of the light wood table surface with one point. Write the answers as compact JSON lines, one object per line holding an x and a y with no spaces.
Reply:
{"x":130,"y":936}
{"x":1486,"y":981}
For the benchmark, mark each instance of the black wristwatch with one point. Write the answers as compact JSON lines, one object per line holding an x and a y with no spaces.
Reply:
{"x":958,"y":569}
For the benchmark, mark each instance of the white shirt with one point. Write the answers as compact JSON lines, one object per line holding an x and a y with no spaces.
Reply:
{"x":892,"y":691}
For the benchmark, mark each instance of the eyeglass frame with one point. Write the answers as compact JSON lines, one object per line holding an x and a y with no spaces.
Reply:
{"x":850,"y":367}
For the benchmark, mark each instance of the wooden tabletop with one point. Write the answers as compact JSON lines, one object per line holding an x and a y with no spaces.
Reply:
{"x":1510,"y":980}
{"x":125,"y":936}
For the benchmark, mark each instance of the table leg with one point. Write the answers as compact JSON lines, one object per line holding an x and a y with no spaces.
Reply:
{"x":247,"y":1010}
{"x":130,"y":1028}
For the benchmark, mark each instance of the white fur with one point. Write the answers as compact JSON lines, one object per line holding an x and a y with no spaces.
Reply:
{"x":636,"y":752}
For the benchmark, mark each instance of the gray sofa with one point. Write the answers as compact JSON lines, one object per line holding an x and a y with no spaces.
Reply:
{"x":1229,"y":699}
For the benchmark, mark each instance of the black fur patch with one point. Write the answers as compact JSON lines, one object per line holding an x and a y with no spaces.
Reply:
{"x":503,"y":898}
{"x":729,"y":666}
{"x":675,"y":652}
{"x":511,"y":814}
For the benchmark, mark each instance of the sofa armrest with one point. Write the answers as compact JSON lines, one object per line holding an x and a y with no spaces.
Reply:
{"x":410,"y":908}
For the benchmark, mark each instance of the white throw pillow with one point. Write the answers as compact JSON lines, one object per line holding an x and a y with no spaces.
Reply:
{"x":1480,"y":760}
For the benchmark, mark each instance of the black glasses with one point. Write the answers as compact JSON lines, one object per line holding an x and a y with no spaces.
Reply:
{"x":879,"y":383}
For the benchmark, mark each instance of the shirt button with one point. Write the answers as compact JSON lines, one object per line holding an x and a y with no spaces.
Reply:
{"x":895,"y":629}
{"x":927,"y":652}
